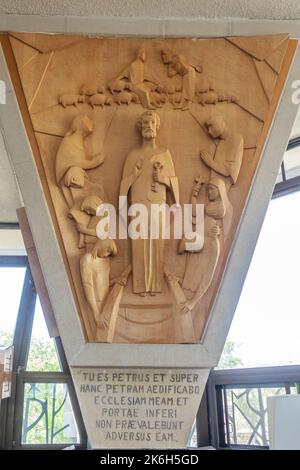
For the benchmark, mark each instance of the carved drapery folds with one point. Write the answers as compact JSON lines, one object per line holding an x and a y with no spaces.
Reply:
{"x":136,"y":123}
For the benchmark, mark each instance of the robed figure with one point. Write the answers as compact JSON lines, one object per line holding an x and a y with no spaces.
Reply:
{"x":148,"y":176}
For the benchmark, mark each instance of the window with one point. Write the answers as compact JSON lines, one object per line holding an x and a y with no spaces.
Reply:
{"x":266,"y":325}
{"x":43,"y":355}
{"x":237,"y":403}
{"x":245,"y":413}
{"x":12,"y":275}
{"x":43,"y":411}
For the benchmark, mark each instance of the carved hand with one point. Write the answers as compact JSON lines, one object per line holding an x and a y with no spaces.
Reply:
{"x":157,"y":176}
{"x":138,"y":167}
{"x":205,"y":156}
{"x":197,"y":186}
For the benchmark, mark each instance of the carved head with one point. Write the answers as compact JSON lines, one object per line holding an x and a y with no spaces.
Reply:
{"x":216,"y":189}
{"x":105,"y":248}
{"x":212,"y":192}
{"x":148,"y":124}
{"x":215,"y":125}
{"x":180,"y":64}
{"x":90,"y":204}
{"x":82,"y":122}
{"x":167,"y":56}
{"x":142,"y":54}
{"x":74,"y":177}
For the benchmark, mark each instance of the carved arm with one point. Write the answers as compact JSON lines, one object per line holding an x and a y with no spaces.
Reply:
{"x":93,"y":163}
{"x":211,"y":163}
{"x":86,"y":231}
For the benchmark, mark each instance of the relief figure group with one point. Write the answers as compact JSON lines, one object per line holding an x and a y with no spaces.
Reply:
{"x":149,"y":177}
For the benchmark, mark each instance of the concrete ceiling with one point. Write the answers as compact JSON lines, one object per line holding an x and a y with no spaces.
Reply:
{"x":254,"y":9}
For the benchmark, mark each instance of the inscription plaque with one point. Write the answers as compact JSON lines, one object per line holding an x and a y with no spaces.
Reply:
{"x":139,"y":408}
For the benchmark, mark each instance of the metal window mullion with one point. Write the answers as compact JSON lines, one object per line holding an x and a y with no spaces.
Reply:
{"x":212,"y":412}
{"x":202,"y":424}
{"x":260,"y":376}
{"x":61,"y":355}
{"x":220,"y":416}
{"x":293,"y":143}
{"x":226,"y":413}
{"x":45,"y":377}
{"x":13,"y":261}
{"x":72,"y":394}
{"x":283,"y":173}
{"x":283,"y":188}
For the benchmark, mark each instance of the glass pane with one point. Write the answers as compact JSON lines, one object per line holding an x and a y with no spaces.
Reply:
{"x":11,"y":285}
{"x":266,"y":325}
{"x":292,"y":163}
{"x":47,"y":415}
{"x":246,"y":415}
{"x":42,"y":353}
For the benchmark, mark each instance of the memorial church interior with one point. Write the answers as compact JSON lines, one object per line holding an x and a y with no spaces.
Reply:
{"x":158,"y":341}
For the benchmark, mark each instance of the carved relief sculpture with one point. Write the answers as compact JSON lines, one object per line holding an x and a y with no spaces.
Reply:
{"x":134,"y":78}
{"x":227,"y":160}
{"x":108,"y":119}
{"x":95,"y":263}
{"x":147,"y":176}
{"x":178,"y":64}
{"x":201,"y":265}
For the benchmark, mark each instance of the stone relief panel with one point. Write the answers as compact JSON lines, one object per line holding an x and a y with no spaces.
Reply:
{"x":126,"y":125}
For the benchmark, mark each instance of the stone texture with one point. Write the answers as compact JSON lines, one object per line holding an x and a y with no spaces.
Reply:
{"x":139,"y":408}
{"x":270,"y":9}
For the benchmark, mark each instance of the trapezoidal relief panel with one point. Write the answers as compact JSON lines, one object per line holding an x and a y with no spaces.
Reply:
{"x":148,"y":148}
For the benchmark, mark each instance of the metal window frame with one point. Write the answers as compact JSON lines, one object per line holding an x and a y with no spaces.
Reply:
{"x":287,"y":185}
{"x":11,"y":411}
{"x":45,"y":378}
{"x":277,"y":376}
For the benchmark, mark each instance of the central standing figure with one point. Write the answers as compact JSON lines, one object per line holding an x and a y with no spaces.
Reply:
{"x":148,"y":175}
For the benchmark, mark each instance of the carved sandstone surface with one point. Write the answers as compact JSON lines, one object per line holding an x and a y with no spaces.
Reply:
{"x":157,"y":121}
